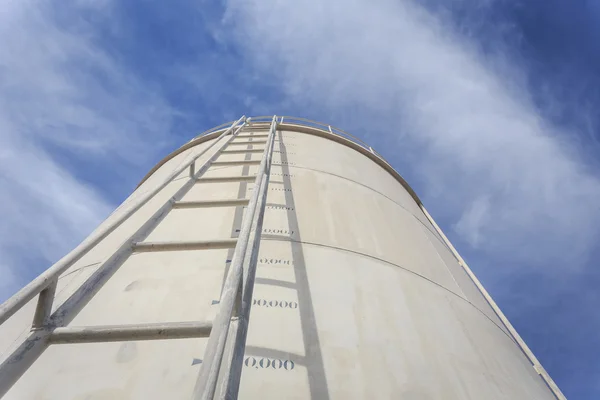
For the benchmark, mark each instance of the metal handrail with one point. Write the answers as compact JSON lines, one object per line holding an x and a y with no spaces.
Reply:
{"x":302,"y":122}
{"x":338,"y":131}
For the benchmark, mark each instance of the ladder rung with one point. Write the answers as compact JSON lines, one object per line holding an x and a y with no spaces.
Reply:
{"x":242,"y":151}
{"x":176,"y":246}
{"x":210,"y":203}
{"x":241,"y":162}
{"x":117,"y":333}
{"x":252,"y":136}
{"x":248,"y":142}
{"x":246,"y":178}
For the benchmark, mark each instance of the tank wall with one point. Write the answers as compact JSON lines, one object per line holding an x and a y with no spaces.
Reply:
{"x":17,"y":327}
{"x":356,"y":296}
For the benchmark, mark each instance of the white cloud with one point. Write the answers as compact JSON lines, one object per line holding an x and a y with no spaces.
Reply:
{"x":61,"y":98}
{"x":511,"y":190}
{"x":483,"y":157}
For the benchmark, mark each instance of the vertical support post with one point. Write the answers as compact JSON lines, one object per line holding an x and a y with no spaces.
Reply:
{"x":371,"y":149}
{"x":44,"y":306}
{"x":330,"y":131}
{"x":215,"y":348}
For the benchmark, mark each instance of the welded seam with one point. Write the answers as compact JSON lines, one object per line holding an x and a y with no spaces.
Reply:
{"x":78,"y":269}
{"x":378,"y":192}
{"x":281,"y":239}
{"x":439,"y":257}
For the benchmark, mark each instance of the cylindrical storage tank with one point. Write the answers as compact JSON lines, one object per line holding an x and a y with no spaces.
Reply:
{"x":357,"y":293}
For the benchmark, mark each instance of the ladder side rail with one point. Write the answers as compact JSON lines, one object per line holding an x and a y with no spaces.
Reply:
{"x":207,"y":378}
{"x":32,"y":347}
{"x":13,"y":304}
{"x":231,"y":371}
{"x":77,"y":300}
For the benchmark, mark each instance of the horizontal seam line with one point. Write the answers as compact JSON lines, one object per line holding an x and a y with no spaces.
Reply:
{"x":376,"y":191}
{"x":397,"y":266}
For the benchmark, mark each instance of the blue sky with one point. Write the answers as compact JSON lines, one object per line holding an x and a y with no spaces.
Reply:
{"x":488,"y":108}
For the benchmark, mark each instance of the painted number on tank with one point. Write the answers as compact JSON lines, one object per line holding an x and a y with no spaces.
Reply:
{"x":276,"y":231}
{"x":264,"y":363}
{"x":280,"y":207}
{"x":275,"y":303}
{"x":274,"y":261}
{"x":273,"y":231}
{"x":277,"y":189}
{"x":279,"y":174}
{"x":284,"y":163}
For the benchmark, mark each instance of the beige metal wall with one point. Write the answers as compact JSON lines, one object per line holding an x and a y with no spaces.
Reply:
{"x":356,"y":295}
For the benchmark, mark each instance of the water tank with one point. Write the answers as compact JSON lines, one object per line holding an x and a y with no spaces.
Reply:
{"x":355,"y":292}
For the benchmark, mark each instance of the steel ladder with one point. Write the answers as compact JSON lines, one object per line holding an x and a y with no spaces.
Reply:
{"x":222,"y":362}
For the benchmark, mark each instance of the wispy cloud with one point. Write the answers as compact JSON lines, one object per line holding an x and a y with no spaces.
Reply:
{"x":512,"y":189}
{"x":487,"y":161}
{"x":80,"y":121}
{"x":66,"y":107}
